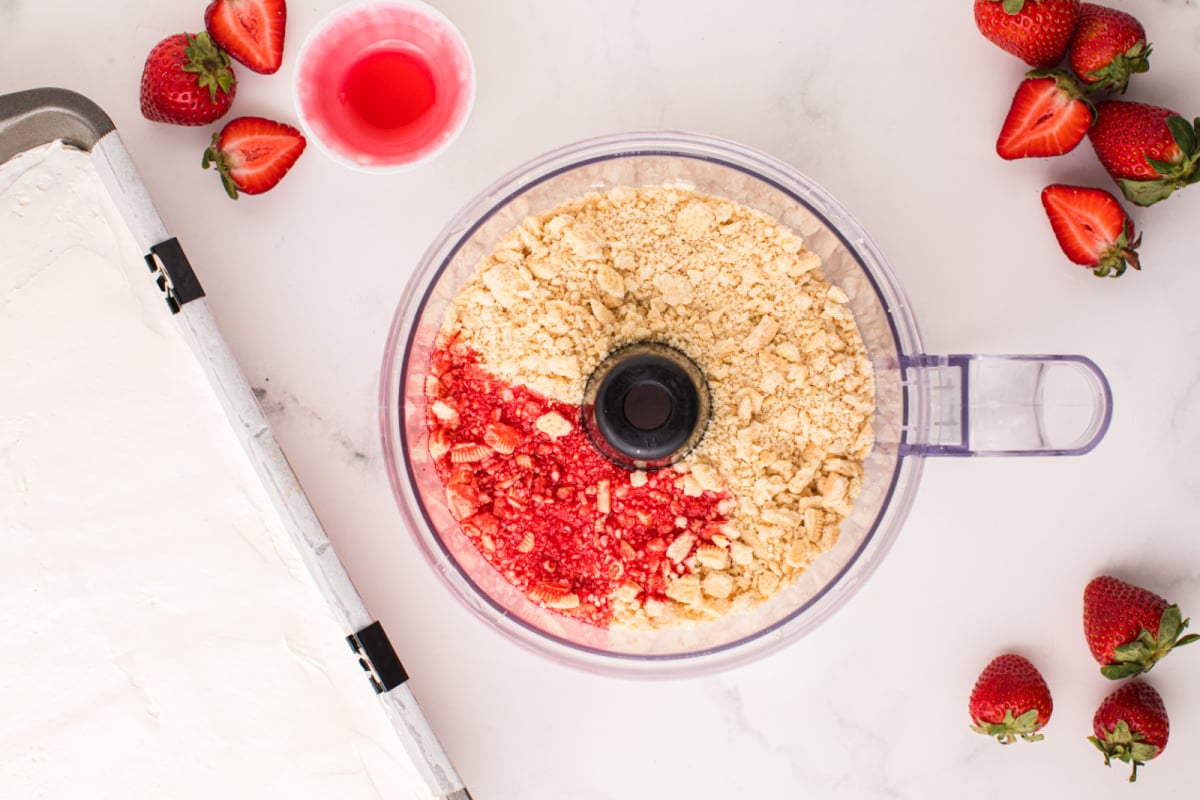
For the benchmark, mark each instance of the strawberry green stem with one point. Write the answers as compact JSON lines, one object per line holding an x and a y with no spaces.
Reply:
{"x":1066,"y":84}
{"x":215,"y":157}
{"x":1114,"y":77}
{"x":1026,"y":726}
{"x":1121,"y":255}
{"x":209,"y":63}
{"x":1140,"y":655}
{"x":1183,"y":171}
{"x":1123,"y":744}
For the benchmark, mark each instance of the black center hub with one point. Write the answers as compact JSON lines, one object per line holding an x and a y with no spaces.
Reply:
{"x":646,"y":406}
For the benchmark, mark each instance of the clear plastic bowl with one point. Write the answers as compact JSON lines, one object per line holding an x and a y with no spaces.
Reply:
{"x":917,"y":412}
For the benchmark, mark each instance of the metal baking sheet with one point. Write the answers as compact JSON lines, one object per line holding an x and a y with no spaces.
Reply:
{"x":36,"y":117}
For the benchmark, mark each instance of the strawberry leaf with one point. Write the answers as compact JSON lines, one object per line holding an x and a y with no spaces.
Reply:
{"x":1141,"y":654}
{"x":210,"y":65}
{"x":1027,"y":722}
{"x":1173,"y":174}
{"x":1138,"y":754}
{"x":1116,"y":672}
{"x":1135,"y":651}
{"x":1145,"y":193}
{"x":1123,"y":744}
{"x":1121,"y":734}
{"x":1013,"y":6}
{"x":1183,"y":133}
{"x":1142,"y":751}
{"x":1140,"y":51}
{"x":216,"y":158}
{"x":1169,"y":626}
{"x":1161,"y":167}
{"x":1114,"y":76}
{"x":1007,"y":730}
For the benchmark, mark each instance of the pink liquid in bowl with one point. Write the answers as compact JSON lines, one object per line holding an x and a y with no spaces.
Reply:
{"x":384,"y":85}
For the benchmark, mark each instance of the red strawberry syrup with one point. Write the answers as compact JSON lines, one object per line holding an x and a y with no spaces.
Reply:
{"x":389,"y":88}
{"x":552,"y":515}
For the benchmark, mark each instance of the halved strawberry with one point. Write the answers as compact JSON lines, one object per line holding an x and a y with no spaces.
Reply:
{"x":1048,"y":117}
{"x":253,"y":154}
{"x":1092,"y":228}
{"x":251,"y":31}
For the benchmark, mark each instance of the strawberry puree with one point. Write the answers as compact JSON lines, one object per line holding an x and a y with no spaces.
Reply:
{"x":557,"y":519}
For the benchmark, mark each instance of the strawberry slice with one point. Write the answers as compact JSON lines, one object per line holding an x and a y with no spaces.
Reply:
{"x":1048,"y":117}
{"x":1092,"y":228}
{"x":251,"y":31}
{"x":253,"y":154}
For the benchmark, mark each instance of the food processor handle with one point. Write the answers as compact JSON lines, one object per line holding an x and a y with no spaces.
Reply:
{"x":1006,"y":405}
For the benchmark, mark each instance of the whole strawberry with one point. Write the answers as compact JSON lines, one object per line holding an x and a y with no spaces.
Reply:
{"x":1108,"y":47}
{"x":1010,"y":699}
{"x":1035,"y":31}
{"x":1148,"y":150}
{"x":1128,"y":628}
{"x":1131,"y":725}
{"x":187,"y":80}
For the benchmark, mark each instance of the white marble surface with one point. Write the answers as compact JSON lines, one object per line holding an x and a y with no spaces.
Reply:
{"x":894,"y":108}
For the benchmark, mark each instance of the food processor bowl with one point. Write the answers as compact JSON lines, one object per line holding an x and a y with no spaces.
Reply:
{"x":924,"y":404}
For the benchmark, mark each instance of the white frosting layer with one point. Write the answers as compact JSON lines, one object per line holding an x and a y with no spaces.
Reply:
{"x":159,"y":635}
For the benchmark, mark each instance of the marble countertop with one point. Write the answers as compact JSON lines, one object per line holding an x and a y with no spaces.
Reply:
{"x":892,"y":107}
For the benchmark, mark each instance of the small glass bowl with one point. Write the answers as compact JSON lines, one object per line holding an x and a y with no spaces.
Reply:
{"x":339,"y":43}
